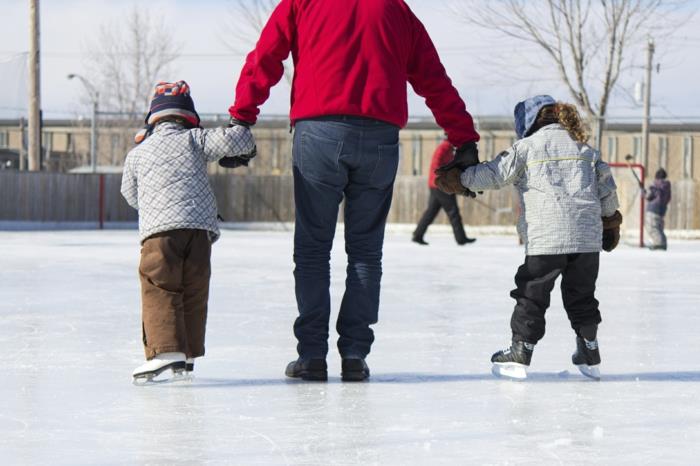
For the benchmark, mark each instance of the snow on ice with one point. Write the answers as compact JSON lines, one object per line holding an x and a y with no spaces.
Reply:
{"x":70,"y":337}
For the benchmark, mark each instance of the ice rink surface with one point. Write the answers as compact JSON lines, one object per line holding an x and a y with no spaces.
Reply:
{"x":70,"y":337}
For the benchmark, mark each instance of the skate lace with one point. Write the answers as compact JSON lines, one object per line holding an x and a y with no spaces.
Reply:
{"x":591,"y":345}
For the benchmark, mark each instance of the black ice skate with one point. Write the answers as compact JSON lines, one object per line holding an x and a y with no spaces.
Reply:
{"x":147,"y":373}
{"x":514,"y":361}
{"x":308,"y":369}
{"x":587,"y":357}
{"x":354,"y":370}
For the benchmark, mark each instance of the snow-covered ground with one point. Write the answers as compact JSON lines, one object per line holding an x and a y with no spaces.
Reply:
{"x":70,"y":337}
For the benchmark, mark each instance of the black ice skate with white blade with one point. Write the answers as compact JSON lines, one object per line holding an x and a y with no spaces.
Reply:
{"x":587,"y":357}
{"x":148,"y":372}
{"x":513,"y":362}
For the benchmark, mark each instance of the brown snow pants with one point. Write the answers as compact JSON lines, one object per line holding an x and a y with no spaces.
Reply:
{"x":175,"y":270}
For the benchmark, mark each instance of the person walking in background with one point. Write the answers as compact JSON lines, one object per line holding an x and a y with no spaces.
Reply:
{"x":352,"y":62}
{"x":569,"y":213}
{"x":439,"y":200}
{"x":165,"y":179}
{"x":658,"y":198}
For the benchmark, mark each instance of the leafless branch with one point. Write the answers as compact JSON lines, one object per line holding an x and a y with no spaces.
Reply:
{"x":127,"y":59}
{"x":246,"y":20}
{"x":588,"y":41}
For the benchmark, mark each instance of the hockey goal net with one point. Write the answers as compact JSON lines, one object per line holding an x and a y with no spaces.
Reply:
{"x":629,"y":179}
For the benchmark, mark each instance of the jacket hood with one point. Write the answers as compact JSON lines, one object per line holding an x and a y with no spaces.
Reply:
{"x":526,"y":113}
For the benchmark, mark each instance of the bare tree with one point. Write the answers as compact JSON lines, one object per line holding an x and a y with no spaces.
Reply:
{"x":127,"y":59}
{"x":245,"y":22}
{"x":123,"y":63}
{"x":588,"y":41}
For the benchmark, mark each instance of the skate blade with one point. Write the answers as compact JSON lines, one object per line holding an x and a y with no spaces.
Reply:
{"x":592,"y":372}
{"x":509,"y":370}
{"x":150,"y":379}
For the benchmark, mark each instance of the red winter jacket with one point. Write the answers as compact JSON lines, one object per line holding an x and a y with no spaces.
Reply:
{"x":442,"y":155}
{"x":351,"y":57}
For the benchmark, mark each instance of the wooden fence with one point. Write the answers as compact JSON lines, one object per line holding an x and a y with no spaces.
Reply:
{"x":56,"y":197}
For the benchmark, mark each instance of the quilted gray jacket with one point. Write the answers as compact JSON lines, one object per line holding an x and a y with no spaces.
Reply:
{"x":564,"y":189}
{"x":165,"y":177}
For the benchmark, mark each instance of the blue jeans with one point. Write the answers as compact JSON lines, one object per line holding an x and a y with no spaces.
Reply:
{"x":335,"y":158}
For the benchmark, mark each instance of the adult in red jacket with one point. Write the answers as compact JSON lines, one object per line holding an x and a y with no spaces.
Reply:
{"x":352,"y":60}
{"x":443,"y":155}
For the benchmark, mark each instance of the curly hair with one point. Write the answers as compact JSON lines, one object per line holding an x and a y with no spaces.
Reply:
{"x":566,"y":115}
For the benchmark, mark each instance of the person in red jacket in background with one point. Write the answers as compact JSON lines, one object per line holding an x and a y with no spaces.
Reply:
{"x":443,"y":155}
{"x":352,"y":61}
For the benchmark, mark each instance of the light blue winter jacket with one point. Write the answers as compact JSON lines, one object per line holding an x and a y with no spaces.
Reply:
{"x":165,"y":177}
{"x":564,"y":189}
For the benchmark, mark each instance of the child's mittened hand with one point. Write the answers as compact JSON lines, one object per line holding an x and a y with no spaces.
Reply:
{"x":450,"y":182}
{"x":611,"y":231}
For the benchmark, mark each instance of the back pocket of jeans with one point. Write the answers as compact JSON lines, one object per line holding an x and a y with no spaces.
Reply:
{"x":384,"y":172}
{"x":318,"y":157}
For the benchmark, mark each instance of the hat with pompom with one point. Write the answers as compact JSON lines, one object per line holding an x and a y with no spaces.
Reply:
{"x":169,"y":100}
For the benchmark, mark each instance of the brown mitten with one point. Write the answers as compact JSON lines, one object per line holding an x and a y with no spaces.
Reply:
{"x":611,"y":231}
{"x":450,"y":182}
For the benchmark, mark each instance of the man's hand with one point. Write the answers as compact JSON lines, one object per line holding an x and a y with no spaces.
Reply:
{"x":238,"y":160}
{"x":236,"y":122}
{"x":465,"y":156}
{"x":450,"y":182}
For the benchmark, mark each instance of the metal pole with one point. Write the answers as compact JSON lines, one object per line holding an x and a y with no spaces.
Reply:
{"x":93,"y":136}
{"x":101,"y":200}
{"x":642,"y":169}
{"x":647,"y":104}
{"x":34,"y":136}
{"x":22,"y":151}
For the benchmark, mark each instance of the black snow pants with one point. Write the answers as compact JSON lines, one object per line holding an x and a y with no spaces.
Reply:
{"x":535,"y":281}
{"x":439,"y":200}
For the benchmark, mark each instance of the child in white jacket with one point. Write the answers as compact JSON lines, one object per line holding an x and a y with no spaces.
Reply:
{"x":569,"y":212}
{"x":165,"y":178}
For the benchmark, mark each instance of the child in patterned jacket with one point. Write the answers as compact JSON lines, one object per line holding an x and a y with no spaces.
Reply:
{"x":165,"y":179}
{"x":569,"y":211}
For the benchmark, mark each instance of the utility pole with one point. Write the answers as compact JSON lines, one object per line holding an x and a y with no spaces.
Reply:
{"x":34,"y":136}
{"x":647,"y":103}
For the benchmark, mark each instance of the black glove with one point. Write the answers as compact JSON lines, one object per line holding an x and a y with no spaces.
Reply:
{"x":236,"y":122}
{"x":238,"y":160}
{"x":466,"y":155}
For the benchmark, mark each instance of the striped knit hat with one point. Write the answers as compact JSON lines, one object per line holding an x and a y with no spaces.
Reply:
{"x":169,"y":100}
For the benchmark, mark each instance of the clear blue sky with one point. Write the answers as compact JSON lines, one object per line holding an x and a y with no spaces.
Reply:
{"x":69,"y":25}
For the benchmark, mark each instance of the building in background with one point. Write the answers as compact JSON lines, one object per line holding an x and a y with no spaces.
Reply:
{"x":673,"y":146}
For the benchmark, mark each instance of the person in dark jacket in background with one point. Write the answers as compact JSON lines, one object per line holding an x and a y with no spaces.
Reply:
{"x":439,"y":200}
{"x":658,"y":197}
{"x":352,"y":61}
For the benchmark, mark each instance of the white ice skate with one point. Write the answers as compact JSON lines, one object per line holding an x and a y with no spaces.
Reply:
{"x":510,"y":370}
{"x":147,"y":372}
{"x":590,"y":371}
{"x":189,"y":368}
{"x":513,"y":362}
{"x":587,"y":358}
